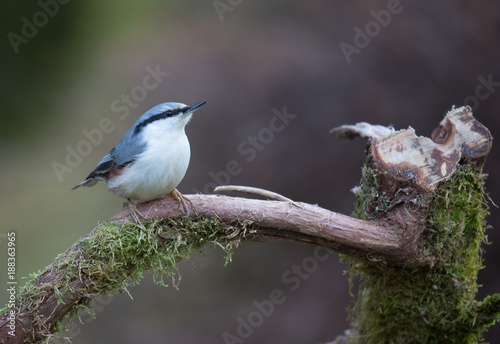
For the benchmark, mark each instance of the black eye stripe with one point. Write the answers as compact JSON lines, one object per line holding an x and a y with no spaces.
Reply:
{"x":165,"y":114}
{"x":170,"y":113}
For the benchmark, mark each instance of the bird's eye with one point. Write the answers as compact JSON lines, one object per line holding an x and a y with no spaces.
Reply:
{"x":169,"y":113}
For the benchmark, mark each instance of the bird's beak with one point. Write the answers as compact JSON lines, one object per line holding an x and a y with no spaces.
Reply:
{"x":194,"y":107}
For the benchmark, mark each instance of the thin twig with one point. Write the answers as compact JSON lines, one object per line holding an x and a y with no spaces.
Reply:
{"x":253,"y":191}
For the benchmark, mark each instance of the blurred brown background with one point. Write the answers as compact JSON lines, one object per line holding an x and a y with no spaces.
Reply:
{"x":67,"y":66}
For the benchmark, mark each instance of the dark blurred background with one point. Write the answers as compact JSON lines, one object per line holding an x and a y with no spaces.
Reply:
{"x":66,"y":66}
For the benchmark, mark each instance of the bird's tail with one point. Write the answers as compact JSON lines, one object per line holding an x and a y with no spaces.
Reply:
{"x":87,"y":182}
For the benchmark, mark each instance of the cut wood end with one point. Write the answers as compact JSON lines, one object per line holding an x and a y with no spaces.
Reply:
{"x":425,"y":161}
{"x":475,"y":139}
{"x":428,"y":161}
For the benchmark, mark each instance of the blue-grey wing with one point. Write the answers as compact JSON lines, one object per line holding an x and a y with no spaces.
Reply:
{"x":123,"y":154}
{"x":104,"y":166}
{"x":127,"y":150}
{"x":100,"y":171}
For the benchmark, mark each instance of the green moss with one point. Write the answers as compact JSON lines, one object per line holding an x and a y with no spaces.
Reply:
{"x":367,"y":197}
{"x":428,"y":304}
{"x":371,"y":201}
{"x":114,"y":257}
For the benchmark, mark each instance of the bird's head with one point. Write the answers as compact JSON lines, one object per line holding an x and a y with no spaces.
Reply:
{"x":166,"y":117}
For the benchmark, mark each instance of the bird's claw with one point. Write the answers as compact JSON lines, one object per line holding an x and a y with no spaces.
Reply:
{"x":135,"y":213}
{"x":182,"y":200}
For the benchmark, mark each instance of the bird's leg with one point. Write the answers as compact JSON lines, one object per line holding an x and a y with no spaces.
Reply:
{"x":182,"y":200}
{"x":134,"y":212}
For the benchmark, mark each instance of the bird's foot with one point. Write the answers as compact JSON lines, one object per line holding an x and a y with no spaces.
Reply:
{"x":182,"y":200}
{"x":134,"y":212}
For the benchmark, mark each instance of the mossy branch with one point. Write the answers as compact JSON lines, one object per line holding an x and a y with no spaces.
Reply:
{"x":116,"y":254}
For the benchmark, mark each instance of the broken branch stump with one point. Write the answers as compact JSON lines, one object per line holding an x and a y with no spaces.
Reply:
{"x":432,"y":191}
